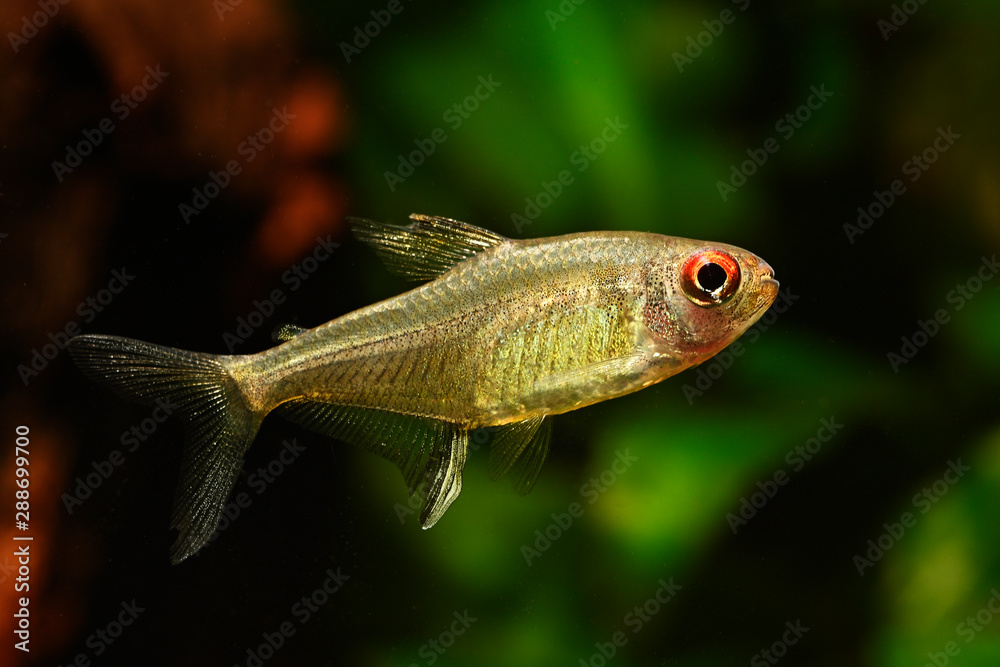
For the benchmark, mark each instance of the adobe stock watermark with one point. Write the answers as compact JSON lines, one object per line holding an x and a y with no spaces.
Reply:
{"x":796,"y":459}
{"x":104,"y":637}
{"x":565,"y":9}
{"x":248,"y":149}
{"x":432,"y":651}
{"x":302,"y":611}
{"x":710,"y":371}
{"x":293,"y":278}
{"x":413,"y":503}
{"x":7,"y":570}
{"x":47,"y":10}
{"x":634,"y":620}
{"x":455,"y":116}
{"x":923,"y":500}
{"x":697,"y":44}
{"x":779,"y":649}
{"x":898,"y":18}
{"x":581,"y":158}
{"x":967,"y":630}
{"x":22,"y":517}
{"x":786,"y":126}
{"x":103,"y":469}
{"x":88,"y":310}
{"x":915,"y":167}
{"x":223,"y":7}
{"x":563,"y":521}
{"x":381,"y":18}
{"x":22,"y":552}
{"x":958,"y":297}
{"x":122,"y":107}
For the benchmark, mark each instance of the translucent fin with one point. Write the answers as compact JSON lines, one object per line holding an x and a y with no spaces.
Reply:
{"x":446,"y":466}
{"x":526,"y":469}
{"x":198,"y":388}
{"x":427,"y":451}
{"x":286,"y":332}
{"x":509,"y":442}
{"x":426,"y":248}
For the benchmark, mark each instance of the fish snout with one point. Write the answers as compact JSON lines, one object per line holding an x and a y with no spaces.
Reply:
{"x":768,"y":285}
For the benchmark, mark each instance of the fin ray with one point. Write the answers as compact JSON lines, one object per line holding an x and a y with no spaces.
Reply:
{"x":425,"y":450}
{"x":426,"y":248}
{"x":509,"y":442}
{"x":219,"y":424}
{"x":527,"y":467}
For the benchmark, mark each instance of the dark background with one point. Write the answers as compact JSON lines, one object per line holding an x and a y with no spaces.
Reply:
{"x":669,"y":517}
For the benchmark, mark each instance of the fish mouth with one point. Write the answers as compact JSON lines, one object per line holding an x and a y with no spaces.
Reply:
{"x":767,"y":275}
{"x":768,"y":285}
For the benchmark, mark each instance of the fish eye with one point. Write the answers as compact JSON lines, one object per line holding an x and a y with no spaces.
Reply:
{"x":710,"y":277}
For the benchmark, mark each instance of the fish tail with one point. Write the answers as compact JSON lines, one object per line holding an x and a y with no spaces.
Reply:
{"x":219,"y":422}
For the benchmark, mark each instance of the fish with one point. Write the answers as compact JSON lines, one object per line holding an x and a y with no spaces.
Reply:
{"x":502,"y":334}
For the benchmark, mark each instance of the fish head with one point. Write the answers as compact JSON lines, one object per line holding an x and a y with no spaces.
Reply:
{"x":701,"y":296}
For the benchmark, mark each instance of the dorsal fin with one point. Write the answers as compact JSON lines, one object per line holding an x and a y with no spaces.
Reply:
{"x":426,"y":248}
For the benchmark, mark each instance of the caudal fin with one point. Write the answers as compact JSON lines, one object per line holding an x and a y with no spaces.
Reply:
{"x":219,"y":424}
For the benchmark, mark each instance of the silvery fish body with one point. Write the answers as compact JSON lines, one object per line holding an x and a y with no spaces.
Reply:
{"x":503,"y":334}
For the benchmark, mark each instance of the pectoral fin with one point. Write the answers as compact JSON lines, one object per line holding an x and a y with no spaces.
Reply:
{"x":426,"y":248}
{"x":430,"y":453}
{"x":508,"y":443}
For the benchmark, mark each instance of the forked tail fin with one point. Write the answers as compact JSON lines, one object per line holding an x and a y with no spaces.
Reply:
{"x":219,"y":424}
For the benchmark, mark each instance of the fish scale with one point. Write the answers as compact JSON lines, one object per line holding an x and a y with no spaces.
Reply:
{"x":503,"y":333}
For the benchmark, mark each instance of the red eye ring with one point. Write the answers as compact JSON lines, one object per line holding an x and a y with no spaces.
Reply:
{"x":710,"y":277}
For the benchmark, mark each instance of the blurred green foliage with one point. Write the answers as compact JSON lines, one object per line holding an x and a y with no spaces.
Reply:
{"x":667,"y":515}
{"x":550,"y":584}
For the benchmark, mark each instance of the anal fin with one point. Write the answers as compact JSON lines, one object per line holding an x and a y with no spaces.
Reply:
{"x":446,"y":465}
{"x":429,"y":452}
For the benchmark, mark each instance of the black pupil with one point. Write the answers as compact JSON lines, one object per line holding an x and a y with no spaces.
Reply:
{"x":711,"y":277}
